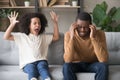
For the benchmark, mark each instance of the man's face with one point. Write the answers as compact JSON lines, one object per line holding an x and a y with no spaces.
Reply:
{"x":83,"y":28}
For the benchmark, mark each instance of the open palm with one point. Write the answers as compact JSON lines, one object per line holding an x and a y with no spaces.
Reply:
{"x":54,"y":16}
{"x":12,"y":17}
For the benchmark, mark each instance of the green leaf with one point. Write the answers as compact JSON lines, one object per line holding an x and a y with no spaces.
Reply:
{"x":98,"y":14}
{"x":116,"y":16}
{"x":5,"y":12}
{"x":117,"y":28}
{"x":108,"y":29}
{"x":112,"y":11}
{"x":105,"y":21}
{"x":104,"y":6}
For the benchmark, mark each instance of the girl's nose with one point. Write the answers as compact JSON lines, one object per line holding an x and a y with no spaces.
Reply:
{"x":37,"y":25}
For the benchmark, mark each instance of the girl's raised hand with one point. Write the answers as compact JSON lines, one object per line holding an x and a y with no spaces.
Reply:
{"x":12,"y":17}
{"x":54,"y":16}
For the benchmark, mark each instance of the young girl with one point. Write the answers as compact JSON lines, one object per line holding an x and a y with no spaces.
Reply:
{"x":33,"y":42}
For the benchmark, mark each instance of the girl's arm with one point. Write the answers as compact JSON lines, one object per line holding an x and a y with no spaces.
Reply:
{"x":13,"y":21}
{"x":55,"y":22}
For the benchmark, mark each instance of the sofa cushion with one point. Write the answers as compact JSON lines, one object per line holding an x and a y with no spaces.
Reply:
{"x":14,"y":73}
{"x":8,"y":51}
{"x":113,"y":45}
{"x":56,"y":51}
{"x":11,"y":72}
{"x":114,"y":72}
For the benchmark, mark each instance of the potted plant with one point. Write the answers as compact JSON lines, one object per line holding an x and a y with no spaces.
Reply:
{"x":27,"y":3}
{"x":4,"y":21}
{"x":106,"y":20}
{"x":74,"y":2}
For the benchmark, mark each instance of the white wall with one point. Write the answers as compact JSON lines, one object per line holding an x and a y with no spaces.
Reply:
{"x":66,"y":17}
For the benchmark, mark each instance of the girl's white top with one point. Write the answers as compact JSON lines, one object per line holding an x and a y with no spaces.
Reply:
{"x":32,"y":48}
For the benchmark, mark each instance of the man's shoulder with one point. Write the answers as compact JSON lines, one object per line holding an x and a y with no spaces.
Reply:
{"x":100,"y":32}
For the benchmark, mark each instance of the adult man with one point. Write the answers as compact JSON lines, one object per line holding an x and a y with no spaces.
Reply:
{"x":85,"y":49}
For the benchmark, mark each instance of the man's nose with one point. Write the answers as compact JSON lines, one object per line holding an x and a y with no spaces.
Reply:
{"x":82,"y":29}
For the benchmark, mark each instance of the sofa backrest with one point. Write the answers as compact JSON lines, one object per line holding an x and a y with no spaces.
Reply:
{"x":56,"y":51}
{"x":113,"y":45}
{"x":9,"y":51}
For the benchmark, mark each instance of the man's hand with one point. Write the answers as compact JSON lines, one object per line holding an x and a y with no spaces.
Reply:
{"x":92,"y":31}
{"x":72,"y":29}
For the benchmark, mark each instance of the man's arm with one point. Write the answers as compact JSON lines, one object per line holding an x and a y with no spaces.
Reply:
{"x":68,"y":48}
{"x":100,"y":47}
{"x":68,"y":44}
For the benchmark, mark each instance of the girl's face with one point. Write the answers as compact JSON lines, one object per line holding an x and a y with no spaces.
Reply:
{"x":35,"y":26}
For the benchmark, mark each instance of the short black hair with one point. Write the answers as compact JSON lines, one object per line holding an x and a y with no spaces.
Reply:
{"x":25,"y":21}
{"x":84,"y":16}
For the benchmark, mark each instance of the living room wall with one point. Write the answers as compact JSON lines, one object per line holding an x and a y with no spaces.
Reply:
{"x":67,"y":16}
{"x":90,"y":4}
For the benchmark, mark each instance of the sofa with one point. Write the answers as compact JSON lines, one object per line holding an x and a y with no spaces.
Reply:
{"x":9,"y":60}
